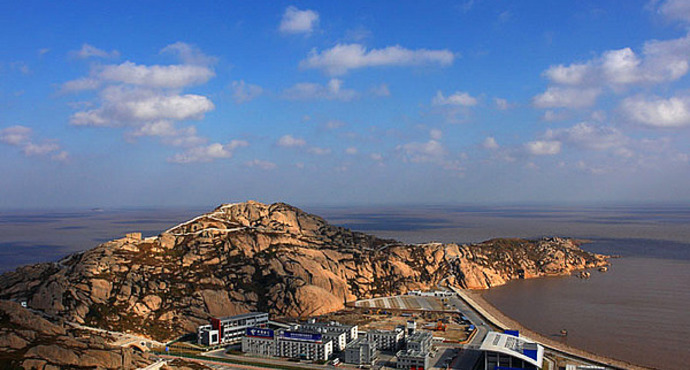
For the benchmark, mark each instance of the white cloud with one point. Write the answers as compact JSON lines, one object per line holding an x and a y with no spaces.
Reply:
{"x":16,"y":135}
{"x":243,"y":92}
{"x":22,"y":137}
{"x":80,"y":84}
{"x":589,"y":136}
{"x":309,"y":91}
{"x":189,"y":54}
{"x":553,"y":116}
{"x":543,"y":147}
{"x":169,"y":76}
{"x":264,"y":165}
{"x":208,"y":153}
{"x":351,"y":150}
{"x":430,"y":151}
{"x":170,"y":134}
{"x":436,"y":134}
{"x":658,"y":112}
{"x":659,"y":61}
{"x":298,"y":21}
{"x":89,"y":51}
{"x":490,"y":143}
{"x":574,"y":74}
{"x":459,"y":98}
{"x":289,"y":141}
{"x":319,"y":151}
{"x":124,"y":106}
{"x":344,"y":57}
{"x":566,"y":97}
{"x":377,"y":157}
{"x":675,"y":9}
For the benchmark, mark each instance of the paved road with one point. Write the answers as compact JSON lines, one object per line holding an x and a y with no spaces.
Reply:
{"x":470,"y":353}
{"x":220,"y":353}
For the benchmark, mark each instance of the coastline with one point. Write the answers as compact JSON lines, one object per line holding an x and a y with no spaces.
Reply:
{"x":497,"y":318}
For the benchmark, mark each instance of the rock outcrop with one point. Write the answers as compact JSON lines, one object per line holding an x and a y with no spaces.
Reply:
{"x":274,"y":258}
{"x":29,"y":341}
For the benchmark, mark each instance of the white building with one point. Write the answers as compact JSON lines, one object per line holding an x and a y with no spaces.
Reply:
{"x":311,"y":346}
{"x":230,"y":329}
{"x":506,"y":350}
{"x":387,"y":340}
{"x":351,"y":331}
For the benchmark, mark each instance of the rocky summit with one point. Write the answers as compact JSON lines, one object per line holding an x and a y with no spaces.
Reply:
{"x":275,"y":258}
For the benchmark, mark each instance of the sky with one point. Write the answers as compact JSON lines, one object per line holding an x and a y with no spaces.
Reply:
{"x":188,"y":103}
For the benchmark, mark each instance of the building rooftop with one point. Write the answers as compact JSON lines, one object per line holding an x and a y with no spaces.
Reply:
{"x":412,"y":353}
{"x":511,"y":345}
{"x":419,"y":336}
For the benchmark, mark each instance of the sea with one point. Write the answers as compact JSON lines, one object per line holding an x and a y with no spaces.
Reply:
{"x":637,"y":311}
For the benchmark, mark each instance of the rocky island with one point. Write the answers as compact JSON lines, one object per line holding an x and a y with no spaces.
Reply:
{"x":253,"y":256}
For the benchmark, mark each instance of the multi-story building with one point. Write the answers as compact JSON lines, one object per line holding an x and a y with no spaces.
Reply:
{"x":230,"y":329}
{"x":297,"y":344}
{"x":351,"y":331}
{"x":361,"y":352}
{"x":207,"y":336}
{"x":387,"y":340}
{"x":260,"y":341}
{"x":411,"y":359}
{"x":420,"y":341}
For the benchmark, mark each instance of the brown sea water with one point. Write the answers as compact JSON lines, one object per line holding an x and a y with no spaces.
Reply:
{"x":638,"y":311}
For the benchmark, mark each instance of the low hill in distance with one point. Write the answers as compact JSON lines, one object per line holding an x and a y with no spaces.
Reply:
{"x":274,"y":258}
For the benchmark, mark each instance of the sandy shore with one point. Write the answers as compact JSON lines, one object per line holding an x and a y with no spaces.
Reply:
{"x":496,"y":317}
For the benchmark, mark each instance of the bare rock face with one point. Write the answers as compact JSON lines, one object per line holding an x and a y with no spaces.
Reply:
{"x":275,"y":258}
{"x":29,"y":341}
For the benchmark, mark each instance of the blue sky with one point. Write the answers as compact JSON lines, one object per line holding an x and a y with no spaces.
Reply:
{"x":192,"y":103}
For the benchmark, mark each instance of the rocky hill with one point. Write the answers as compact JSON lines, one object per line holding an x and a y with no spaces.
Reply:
{"x":29,"y":341}
{"x":275,"y":258}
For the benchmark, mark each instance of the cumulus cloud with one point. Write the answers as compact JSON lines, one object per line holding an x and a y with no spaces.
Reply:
{"x":589,"y":136}
{"x":169,"y":76}
{"x":90,"y":51}
{"x":148,"y":101}
{"x":543,"y":147}
{"x":22,"y":137}
{"x":419,"y":152}
{"x":436,"y":134}
{"x":297,"y":21}
{"x":289,"y":141}
{"x":659,"y":61}
{"x":124,"y":106}
{"x":674,"y":9}
{"x":459,"y":98}
{"x":344,"y":57}
{"x":566,"y":97}
{"x":243,"y":92}
{"x":658,"y":112}
{"x":261,"y":164}
{"x":490,"y":143}
{"x":310,"y":91}
{"x":189,"y":54}
{"x":208,"y":153}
